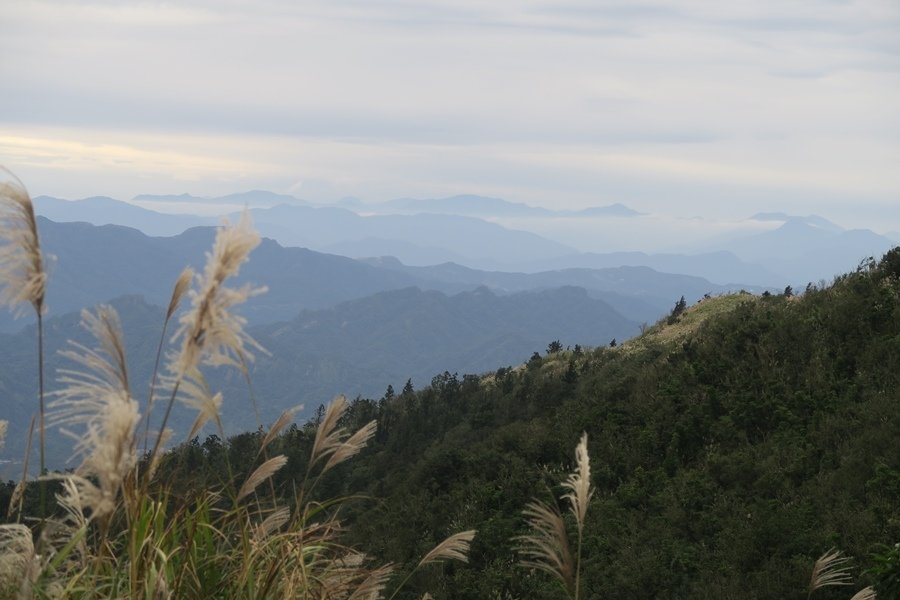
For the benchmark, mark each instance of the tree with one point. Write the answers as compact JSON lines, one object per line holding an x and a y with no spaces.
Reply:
{"x":788,"y":292}
{"x":554,"y":347}
{"x":679,"y":308}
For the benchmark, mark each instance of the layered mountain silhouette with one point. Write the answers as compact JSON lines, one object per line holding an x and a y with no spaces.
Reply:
{"x":808,"y":249}
{"x":356,"y":347}
{"x":95,"y":263}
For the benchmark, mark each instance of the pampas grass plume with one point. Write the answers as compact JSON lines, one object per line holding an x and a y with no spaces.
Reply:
{"x":579,"y":483}
{"x":283,"y":420}
{"x":830,"y":569}
{"x":22,"y":273}
{"x":455,"y":547}
{"x":209,"y":332}
{"x":261,"y":474}
{"x":98,"y":400}
{"x":867,"y":593}
{"x":547,"y":547}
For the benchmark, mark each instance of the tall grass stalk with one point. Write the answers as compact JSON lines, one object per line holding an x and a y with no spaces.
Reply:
{"x":547,"y":547}
{"x":23,"y":279}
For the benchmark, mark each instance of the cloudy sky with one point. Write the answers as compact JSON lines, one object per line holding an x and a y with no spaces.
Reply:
{"x":690,"y":107}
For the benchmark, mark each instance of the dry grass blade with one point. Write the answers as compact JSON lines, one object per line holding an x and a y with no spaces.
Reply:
{"x":547,"y":548}
{"x":262,"y":473}
{"x":282,"y":422}
{"x":352,"y":446}
{"x":579,"y":483}
{"x":867,"y":593}
{"x":22,"y":275}
{"x":4,"y":425}
{"x":455,"y":547}
{"x":830,"y":569}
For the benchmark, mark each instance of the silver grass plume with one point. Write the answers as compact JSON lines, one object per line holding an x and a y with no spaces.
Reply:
{"x":373,"y":585}
{"x":97,"y":399}
{"x":455,"y":547}
{"x":272,"y":523}
{"x":19,"y":565}
{"x":182,"y":284}
{"x":831,"y":568}
{"x":332,"y":442}
{"x":22,"y":275}
{"x":286,"y":417}
{"x":262,"y":473}
{"x":547,"y":547}
{"x":328,"y":435}
{"x":579,"y":483}
{"x":194,"y":392}
{"x":352,"y":445}
{"x":4,"y":425}
{"x":209,"y":333}
{"x":74,"y":518}
{"x":867,"y":593}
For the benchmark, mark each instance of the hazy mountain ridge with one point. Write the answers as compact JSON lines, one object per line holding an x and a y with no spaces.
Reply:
{"x":101,"y":210}
{"x":638,"y":292}
{"x":483,"y":206}
{"x":95,"y":263}
{"x":356,"y":347}
{"x":474,"y":239}
{"x":805,"y":249}
{"x":801,"y":249}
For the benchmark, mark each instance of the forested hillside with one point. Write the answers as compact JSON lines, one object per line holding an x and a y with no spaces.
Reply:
{"x":731,"y":445}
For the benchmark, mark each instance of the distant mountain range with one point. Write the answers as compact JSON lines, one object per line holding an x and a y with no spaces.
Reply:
{"x":251,"y":199}
{"x":636,"y":292}
{"x":808,"y":249}
{"x":100,"y":210}
{"x":96,"y":263}
{"x":357,"y":347}
{"x":475,"y":240}
{"x":435,"y":231}
{"x":482,"y":206}
{"x":330,"y":228}
{"x":721,"y":267}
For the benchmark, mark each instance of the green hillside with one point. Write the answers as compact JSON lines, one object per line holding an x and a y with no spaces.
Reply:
{"x":730,"y":448}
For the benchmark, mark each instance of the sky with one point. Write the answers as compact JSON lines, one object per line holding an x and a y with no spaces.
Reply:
{"x":692,"y":108}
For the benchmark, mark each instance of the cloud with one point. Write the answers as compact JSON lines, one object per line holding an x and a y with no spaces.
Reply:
{"x":545,"y":101}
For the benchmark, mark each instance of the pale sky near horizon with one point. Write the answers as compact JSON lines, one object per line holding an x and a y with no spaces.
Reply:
{"x":687,"y":108}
